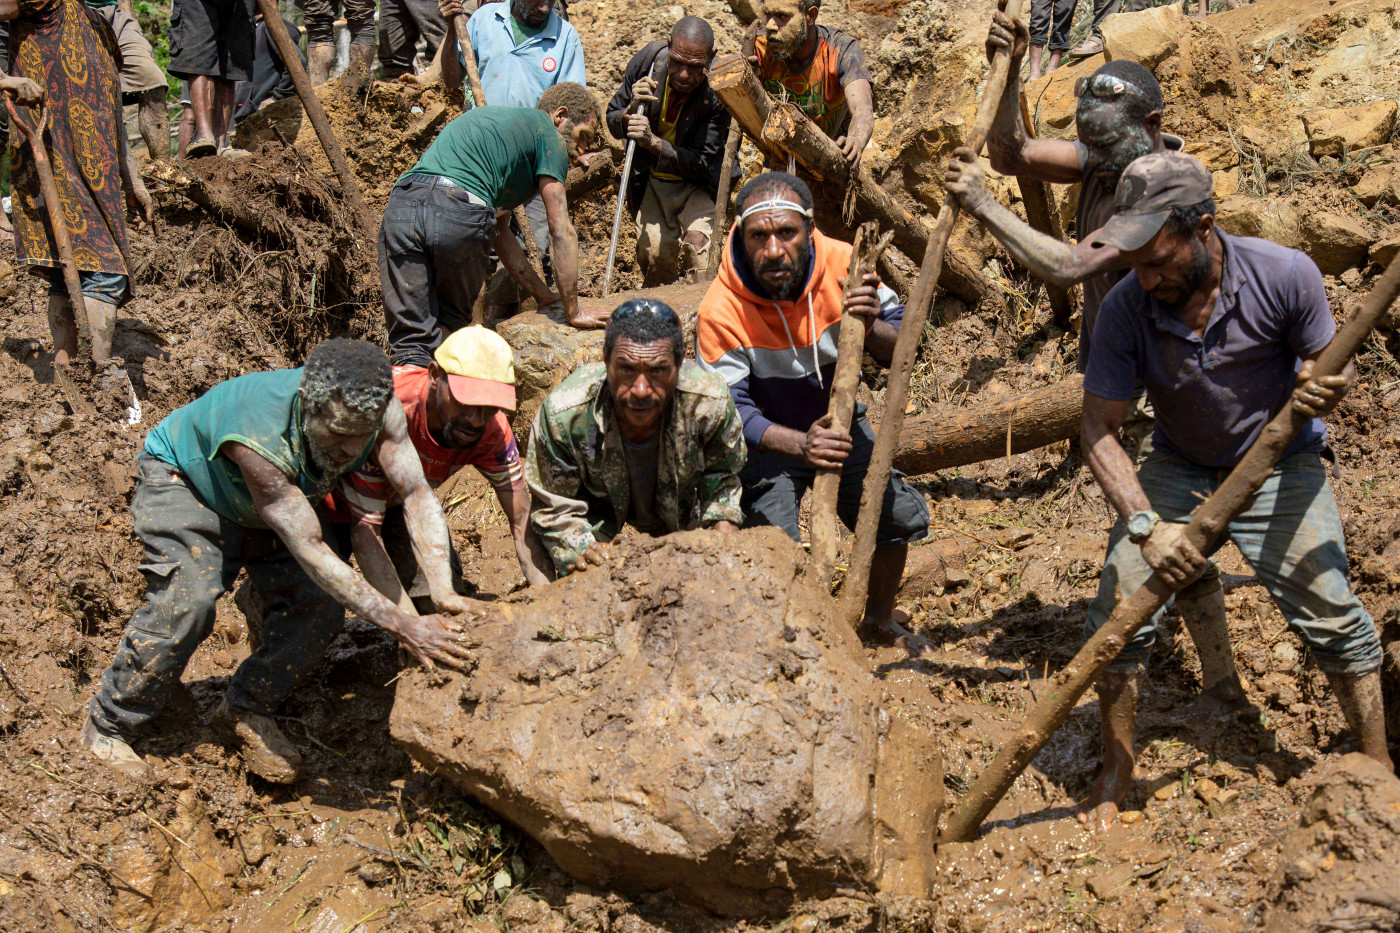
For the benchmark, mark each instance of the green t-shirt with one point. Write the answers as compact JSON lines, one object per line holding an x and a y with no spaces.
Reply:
{"x":496,"y":154}
{"x":519,"y":32}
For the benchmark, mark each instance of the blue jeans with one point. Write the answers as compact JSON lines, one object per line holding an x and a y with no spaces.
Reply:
{"x":1290,"y":534}
{"x":110,"y":287}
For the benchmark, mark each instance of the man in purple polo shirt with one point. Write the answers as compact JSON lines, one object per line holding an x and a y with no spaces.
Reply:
{"x":1222,"y":332}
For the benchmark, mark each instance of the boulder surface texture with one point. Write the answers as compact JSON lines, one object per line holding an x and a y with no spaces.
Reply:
{"x":694,"y":717}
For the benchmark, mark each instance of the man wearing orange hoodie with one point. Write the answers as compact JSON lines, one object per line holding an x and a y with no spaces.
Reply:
{"x":769,"y":326}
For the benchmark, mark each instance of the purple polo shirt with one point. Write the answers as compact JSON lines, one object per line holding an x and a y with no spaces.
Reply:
{"x":1214,"y":393}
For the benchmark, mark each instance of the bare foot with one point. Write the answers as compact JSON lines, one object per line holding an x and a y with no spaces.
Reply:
{"x":893,"y":631}
{"x":592,"y":318}
{"x":1100,"y":809}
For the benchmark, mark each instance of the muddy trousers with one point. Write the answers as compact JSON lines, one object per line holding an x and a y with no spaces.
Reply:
{"x":193,"y":556}
{"x":401,"y":24}
{"x":1290,"y":534}
{"x":359,"y":20}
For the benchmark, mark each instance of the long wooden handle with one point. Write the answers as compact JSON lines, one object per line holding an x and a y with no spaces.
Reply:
{"x":1207,"y":524}
{"x":464,"y":41}
{"x":906,"y":348}
{"x":272,"y":18}
{"x":865,"y":253}
{"x":719,"y":231}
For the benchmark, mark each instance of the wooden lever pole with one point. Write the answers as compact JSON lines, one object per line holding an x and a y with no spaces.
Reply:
{"x":272,"y":18}
{"x":1035,"y":195}
{"x":906,"y":348}
{"x":865,"y":253}
{"x":719,"y":231}
{"x":1207,"y":524}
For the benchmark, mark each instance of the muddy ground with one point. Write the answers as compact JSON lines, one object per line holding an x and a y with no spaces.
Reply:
{"x":369,"y":842}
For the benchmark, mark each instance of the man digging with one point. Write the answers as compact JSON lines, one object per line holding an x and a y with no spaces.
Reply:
{"x":769,"y":325}
{"x":680,"y":149}
{"x":646,"y":438}
{"x":1222,"y":332}
{"x":227,"y":483}
{"x":445,"y":214}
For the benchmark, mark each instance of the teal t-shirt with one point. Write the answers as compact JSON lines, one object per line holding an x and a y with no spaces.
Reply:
{"x":262,"y":411}
{"x":496,"y":153}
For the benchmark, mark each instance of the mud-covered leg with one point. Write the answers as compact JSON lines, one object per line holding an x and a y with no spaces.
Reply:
{"x":1118,"y":700}
{"x":1359,"y":696}
{"x":1202,"y":608}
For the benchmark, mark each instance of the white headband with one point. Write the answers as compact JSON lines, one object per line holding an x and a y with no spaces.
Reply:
{"x":776,"y":204}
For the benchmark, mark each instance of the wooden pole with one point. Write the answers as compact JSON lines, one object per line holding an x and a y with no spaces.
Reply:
{"x":617,"y":214}
{"x":719,"y":231}
{"x":1035,"y":194}
{"x":945,"y":439}
{"x":865,"y":253}
{"x":857,"y":584}
{"x":272,"y":18}
{"x":1207,"y":524}
{"x":783,"y":131}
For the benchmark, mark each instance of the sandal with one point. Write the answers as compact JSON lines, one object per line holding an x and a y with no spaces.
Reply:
{"x":204,"y":146}
{"x":1090,"y":46}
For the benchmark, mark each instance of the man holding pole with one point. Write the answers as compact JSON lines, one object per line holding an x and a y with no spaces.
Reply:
{"x":769,"y":325}
{"x":442,"y":216}
{"x":1222,"y":332}
{"x":680,"y":140}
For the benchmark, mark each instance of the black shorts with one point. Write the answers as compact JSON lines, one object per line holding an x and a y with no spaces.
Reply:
{"x":774,"y":486}
{"x":211,"y":38}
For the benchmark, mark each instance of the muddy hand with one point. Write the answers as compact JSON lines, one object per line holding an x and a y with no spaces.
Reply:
{"x":1006,"y":33}
{"x":24,"y":91}
{"x":449,"y":9}
{"x":864,"y":300}
{"x":825,"y":448}
{"x":1171,"y":555}
{"x":434,"y":638}
{"x":1316,"y":398}
{"x":459,"y":605}
{"x":965,"y":178}
{"x":138,"y":200}
{"x":595,"y":556}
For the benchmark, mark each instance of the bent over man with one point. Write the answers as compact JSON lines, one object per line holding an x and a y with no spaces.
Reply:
{"x":769,"y":326}
{"x":446,"y":212}
{"x":680,"y":134}
{"x":1220,"y":330}
{"x":646,"y":438}
{"x":227,"y":483}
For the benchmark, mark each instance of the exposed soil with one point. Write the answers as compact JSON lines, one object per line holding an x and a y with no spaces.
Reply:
{"x":369,"y":841}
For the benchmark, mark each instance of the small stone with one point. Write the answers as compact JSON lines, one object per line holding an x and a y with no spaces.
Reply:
{"x":375,"y":873}
{"x":1285,"y":656}
{"x":1129,"y":817}
{"x":805,"y":923}
{"x":1167,"y":791}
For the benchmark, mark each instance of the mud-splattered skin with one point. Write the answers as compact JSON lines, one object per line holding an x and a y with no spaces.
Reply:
{"x":287,"y":512}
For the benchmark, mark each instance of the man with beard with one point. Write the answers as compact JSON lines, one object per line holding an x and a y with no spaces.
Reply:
{"x":227,"y":483}
{"x":1222,"y":331}
{"x":523,"y":48}
{"x":445,"y":214}
{"x":456,"y":407}
{"x":769,"y":326}
{"x":822,"y":70}
{"x":680,"y":137}
{"x":646,"y":438}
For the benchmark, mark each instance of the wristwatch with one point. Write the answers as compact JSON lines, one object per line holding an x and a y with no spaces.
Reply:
{"x":1141,"y":525}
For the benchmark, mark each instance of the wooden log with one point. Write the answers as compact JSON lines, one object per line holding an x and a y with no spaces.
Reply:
{"x":906,"y":349}
{"x":784,"y":130}
{"x":335,"y":155}
{"x":850,"y":349}
{"x":600,"y":172}
{"x":1035,"y":195}
{"x":943,"y":440}
{"x":1207,"y":524}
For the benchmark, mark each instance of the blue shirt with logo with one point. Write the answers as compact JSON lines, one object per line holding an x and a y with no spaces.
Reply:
{"x":516,"y":76}
{"x":1213,"y":393}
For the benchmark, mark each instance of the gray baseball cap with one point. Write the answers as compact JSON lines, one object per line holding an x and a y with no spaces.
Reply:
{"x":1147,"y":191}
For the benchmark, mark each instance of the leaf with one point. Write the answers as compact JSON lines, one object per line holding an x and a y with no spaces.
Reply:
{"x":458,"y":863}
{"x":438,"y":833}
{"x":501,"y":881}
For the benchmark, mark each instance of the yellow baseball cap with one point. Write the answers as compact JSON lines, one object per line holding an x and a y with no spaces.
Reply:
{"x":480,"y":367}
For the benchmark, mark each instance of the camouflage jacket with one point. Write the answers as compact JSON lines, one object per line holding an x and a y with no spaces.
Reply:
{"x":577,"y":472}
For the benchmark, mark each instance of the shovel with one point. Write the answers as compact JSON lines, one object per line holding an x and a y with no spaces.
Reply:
{"x":63,"y":242}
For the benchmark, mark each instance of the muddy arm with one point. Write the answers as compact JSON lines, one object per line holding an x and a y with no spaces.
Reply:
{"x":367,"y":541}
{"x":516,"y":504}
{"x":1110,"y":463}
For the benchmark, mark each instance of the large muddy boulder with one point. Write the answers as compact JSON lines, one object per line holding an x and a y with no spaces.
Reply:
{"x":1341,"y":864}
{"x":695,"y":719}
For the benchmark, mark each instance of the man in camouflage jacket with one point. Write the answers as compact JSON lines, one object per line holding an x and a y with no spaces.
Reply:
{"x":645,"y":438}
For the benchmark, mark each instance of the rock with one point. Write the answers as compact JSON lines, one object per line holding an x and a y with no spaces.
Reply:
{"x":547,"y":348}
{"x":1383,"y":252}
{"x":1332,"y":132}
{"x":1285,"y":656}
{"x":1217,"y":153}
{"x":1336,"y":242}
{"x":1380,"y":185}
{"x":1224,"y":184}
{"x":928,"y":566}
{"x":1276,"y":220}
{"x":1342,"y":861}
{"x":696,"y":719}
{"x":256,"y":842}
{"x":924,"y":153}
{"x":1149,"y":37}
{"x":1280,"y":689}
{"x":1054,"y":101}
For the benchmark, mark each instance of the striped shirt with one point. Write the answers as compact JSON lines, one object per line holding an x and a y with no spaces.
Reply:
{"x":366,"y":494}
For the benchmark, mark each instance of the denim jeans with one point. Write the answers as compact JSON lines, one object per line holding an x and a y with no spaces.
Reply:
{"x":193,"y":556}
{"x":1289,"y":533}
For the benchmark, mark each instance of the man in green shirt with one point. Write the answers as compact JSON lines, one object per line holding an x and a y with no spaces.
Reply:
{"x":447,"y":211}
{"x":230,"y":482}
